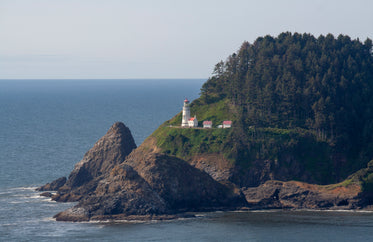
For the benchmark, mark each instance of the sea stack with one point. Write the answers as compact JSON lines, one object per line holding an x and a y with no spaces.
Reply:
{"x":109,"y":151}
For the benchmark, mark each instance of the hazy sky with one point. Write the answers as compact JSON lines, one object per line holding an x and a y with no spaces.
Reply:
{"x":155,"y":38}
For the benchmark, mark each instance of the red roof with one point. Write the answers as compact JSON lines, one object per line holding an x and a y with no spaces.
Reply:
{"x":227,"y":122}
{"x":191,"y":119}
{"x":186,"y":100}
{"x":207,"y":122}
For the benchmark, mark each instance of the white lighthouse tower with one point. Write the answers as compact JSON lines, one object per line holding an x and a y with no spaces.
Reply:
{"x":186,"y":114}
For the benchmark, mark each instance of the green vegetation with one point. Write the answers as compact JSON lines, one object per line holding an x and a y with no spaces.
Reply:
{"x":344,"y":183}
{"x":292,"y":97}
{"x":323,"y":85}
{"x":367,"y":183}
{"x":215,"y":112}
{"x":186,"y":142}
{"x":262,"y":144}
{"x":364,"y":177}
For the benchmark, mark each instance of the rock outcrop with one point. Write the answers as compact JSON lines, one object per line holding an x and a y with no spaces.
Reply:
{"x":109,"y":151}
{"x":154,"y":185}
{"x":54,"y":185}
{"x":300,"y":195}
{"x":181,"y":185}
{"x":122,"y":193}
{"x":112,"y":183}
{"x":219,"y":168}
{"x":222,"y":169}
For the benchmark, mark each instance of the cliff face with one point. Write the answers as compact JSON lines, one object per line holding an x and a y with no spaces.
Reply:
{"x":181,"y":185}
{"x":300,"y":195}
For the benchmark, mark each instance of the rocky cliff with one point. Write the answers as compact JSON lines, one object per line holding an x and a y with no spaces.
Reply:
{"x":112,"y":183}
{"x":107,"y":152}
{"x":300,"y":195}
{"x":116,"y":180}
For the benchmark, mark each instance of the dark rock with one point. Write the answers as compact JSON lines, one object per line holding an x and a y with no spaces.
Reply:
{"x":299,"y":195}
{"x":123,"y":193}
{"x":67,"y":194}
{"x":54,"y":185}
{"x":259,"y":172}
{"x":107,"y":152}
{"x":152,"y":184}
{"x":74,"y":214}
{"x":216,"y":165}
{"x":67,"y":197}
{"x":182,"y":186}
{"x":46,"y":194}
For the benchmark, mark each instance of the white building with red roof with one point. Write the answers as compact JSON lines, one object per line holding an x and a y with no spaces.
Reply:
{"x":207,"y":124}
{"x":227,"y":124}
{"x":193,"y":122}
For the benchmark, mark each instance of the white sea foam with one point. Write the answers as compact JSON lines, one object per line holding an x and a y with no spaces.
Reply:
{"x":327,"y":210}
{"x":11,"y":224}
{"x":38,"y":197}
{"x":48,"y":219}
{"x":22,"y":189}
{"x":15,"y":202}
{"x":363,"y":211}
{"x":117,"y":221}
{"x":241,"y":211}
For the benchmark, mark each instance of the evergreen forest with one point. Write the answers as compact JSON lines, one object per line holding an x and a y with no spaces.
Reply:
{"x":322,"y":85}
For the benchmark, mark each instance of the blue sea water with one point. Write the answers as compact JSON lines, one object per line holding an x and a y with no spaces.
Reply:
{"x":46,"y":126}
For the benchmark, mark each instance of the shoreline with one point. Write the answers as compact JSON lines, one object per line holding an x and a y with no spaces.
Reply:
{"x":140,"y":219}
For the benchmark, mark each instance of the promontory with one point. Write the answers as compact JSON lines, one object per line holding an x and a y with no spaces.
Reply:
{"x":286,"y":122}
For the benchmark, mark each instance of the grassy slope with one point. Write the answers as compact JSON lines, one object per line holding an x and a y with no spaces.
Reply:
{"x":186,"y":142}
{"x":364,"y":177}
{"x":260,"y":143}
{"x":215,"y":112}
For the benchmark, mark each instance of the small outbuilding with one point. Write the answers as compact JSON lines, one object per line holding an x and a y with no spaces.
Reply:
{"x":193,"y":122}
{"x":207,"y":124}
{"x":227,"y":124}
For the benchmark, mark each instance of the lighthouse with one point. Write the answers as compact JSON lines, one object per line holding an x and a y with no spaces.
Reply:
{"x":186,"y":114}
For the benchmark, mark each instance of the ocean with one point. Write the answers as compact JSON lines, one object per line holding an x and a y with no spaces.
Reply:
{"x":46,"y":126}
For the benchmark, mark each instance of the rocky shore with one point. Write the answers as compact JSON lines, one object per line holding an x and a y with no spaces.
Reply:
{"x":116,"y":180}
